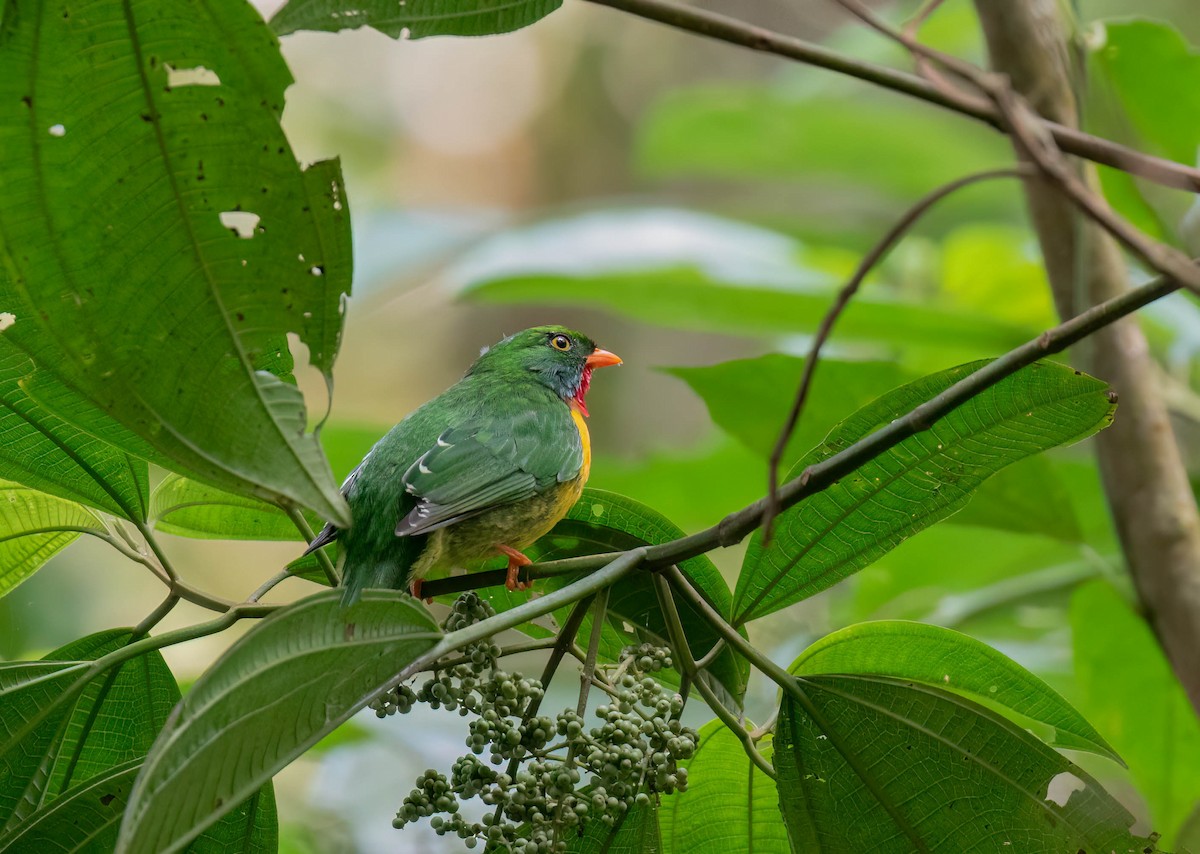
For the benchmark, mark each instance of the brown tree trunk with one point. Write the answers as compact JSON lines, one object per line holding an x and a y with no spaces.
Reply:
{"x":1144,"y":478}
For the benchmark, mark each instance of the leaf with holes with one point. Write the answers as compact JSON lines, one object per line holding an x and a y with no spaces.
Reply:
{"x":946,"y":658}
{"x":276,"y":692}
{"x":730,"y":804}
{"x":412,"y":19}
{"x":34,"y":527}
{"x":1126,"y":686}
{"x":919,"y":481}
{"x":159,"y":240}
{"x":883,"y":765}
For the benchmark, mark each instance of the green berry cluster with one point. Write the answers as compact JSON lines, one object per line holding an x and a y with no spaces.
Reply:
{"x":559,"y":773}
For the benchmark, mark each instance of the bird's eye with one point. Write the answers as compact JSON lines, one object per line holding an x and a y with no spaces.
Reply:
{"x":561,"y":342}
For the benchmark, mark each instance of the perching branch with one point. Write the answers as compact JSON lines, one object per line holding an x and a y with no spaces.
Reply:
{"x":1071,"y":140}
{"x":819,"y":476}
{"x":868,"y":263}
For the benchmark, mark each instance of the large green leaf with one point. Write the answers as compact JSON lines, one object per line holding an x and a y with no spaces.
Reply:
{"x":949,"y":659}
{"x":29,"y":691}
{"x":113,"y":720}
{"x":85,"y":820}
{"x":189,"y":508}
{"x":921,"y":480}
{"x":276,"y":692}
{"x":638,"y":833}
{"x":42,"y":451}
{"x":1155,"y":74}
{"x":687,"y":298}
{"x":752,"y":131}
{"x":413,"y":19}
{"x":604,"y":522}
{"x":1143,"y":92}
{"x":1127,"y":687}
{"x":750,"y":398}
{"x":688,"y":271}
{"x":729,"y":805}
{"x":35,"y":526}
{"x":881,"y":765}
{"x":158,"y":239}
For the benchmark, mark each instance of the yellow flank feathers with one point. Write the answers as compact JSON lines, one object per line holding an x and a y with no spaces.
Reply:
{"x":585,"y":438}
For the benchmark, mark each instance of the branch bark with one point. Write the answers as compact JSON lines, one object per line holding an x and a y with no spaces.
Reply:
{"x":1144,"y":478}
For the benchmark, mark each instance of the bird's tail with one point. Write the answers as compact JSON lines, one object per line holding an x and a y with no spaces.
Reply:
{"x":358,"y":575}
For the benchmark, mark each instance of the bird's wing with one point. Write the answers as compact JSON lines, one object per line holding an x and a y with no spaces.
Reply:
{"x":475,"y":467}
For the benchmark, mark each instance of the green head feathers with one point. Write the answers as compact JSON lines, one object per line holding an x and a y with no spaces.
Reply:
{"x":559,"y":358}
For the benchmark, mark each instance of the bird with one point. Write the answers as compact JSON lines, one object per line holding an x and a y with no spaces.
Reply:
{"x":483,"y":469}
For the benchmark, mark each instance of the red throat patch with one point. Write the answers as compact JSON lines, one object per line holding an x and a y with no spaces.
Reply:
{"x":584,"y":383}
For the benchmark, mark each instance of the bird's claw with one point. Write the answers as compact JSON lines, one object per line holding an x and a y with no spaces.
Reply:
{"x":416,"y":591}
{"x":516,"y":562}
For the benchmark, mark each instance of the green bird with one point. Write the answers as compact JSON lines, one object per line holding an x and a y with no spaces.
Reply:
{"x":484,"y":469}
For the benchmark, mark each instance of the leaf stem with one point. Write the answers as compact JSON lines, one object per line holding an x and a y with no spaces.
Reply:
{"x":599,"y":614}
{"x":270,"y":584}
{"x":155,"y":617}
{"x":90,"y":670}
{"x":876,"y":254}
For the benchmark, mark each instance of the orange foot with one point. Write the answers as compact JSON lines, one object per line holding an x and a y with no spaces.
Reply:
{"x":516,"y":560}
{"x":416,"y":591}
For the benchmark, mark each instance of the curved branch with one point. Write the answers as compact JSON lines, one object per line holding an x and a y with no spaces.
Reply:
{"x":723,"y":28}
{"x":868,"y":262}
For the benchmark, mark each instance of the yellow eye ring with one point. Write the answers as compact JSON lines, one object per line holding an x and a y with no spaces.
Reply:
{"x":561,"y":342}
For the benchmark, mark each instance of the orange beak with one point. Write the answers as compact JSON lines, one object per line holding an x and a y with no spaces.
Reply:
{"x":602,"y":359}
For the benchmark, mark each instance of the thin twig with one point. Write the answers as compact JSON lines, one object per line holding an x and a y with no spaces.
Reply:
{"x":1033,"y":137}
{"x":683,"y":653}
{"x":599,"y":614}
{"x":562,"y":643}
{"x":306,"y":530}
{"x":766,"y":727}
{"x":163,"y":573}
{"x":1042,"y":150}
{"x":723,"y":28}
{"x":868,"y":263}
